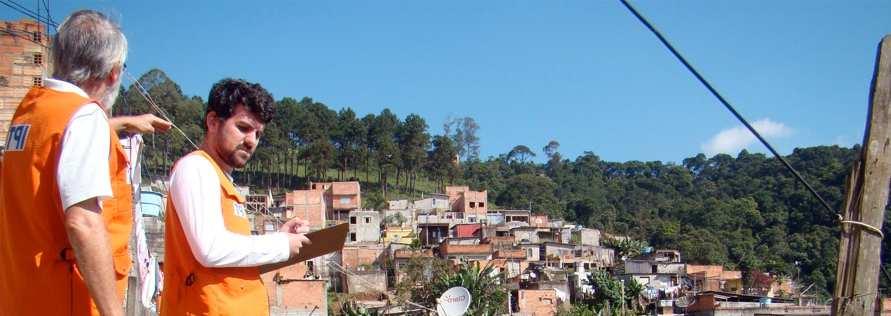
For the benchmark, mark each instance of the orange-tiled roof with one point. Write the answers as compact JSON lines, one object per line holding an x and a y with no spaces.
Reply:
{"x":466,"y":249}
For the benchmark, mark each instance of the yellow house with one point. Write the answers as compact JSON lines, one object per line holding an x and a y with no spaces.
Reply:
{"x":401,"y":235}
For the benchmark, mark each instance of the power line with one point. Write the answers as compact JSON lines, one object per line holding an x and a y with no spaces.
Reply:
{"x":49,"y":15}
{"x":23,"y":10}
{"x":145,"y":94}
{"x":726,"y":103}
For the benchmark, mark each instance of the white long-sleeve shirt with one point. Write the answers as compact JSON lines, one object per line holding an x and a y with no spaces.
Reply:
{"x":195,"y":190}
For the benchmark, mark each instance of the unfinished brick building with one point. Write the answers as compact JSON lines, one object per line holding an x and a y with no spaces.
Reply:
{"x":24,"y":62}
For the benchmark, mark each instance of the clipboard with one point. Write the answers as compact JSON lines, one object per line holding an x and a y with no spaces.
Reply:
{"x":324,"y":241}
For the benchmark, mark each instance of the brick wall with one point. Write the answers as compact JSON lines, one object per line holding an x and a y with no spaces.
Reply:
{"x":18,"y":69}
{"x":354,"y":256}
{"x":308,"y":205}
{"x":538,"y":302}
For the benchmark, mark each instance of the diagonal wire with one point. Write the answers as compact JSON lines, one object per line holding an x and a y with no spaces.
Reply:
{"x":23,"y":10}
{"x":726,"y":103}
{"x":145,"y":94}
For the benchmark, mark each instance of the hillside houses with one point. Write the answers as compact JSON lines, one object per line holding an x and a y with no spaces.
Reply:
{"x":544,"y":263}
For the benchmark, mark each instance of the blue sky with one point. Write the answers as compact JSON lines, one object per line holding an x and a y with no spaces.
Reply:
{"x":585,"y":73}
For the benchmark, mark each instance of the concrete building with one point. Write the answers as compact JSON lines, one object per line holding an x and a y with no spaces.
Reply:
{"x":24,"y":62}
{"x":372,"y":281}
{"x":296,"y":290}
{"x":537,"y":302}
{"x":465,"y":249}
{"x":586,"y":237}
{"x":432,"y":234}
{"x":714,"y":278}
{"x":436,"y":203}
{"x":362,"y":257}
{"x":540,"y":221}
{"x":730,"y":304}
{"x":399,"y":235}
{"x":516,"y":216}
{"x":402,"y":257}
{"x":365,"y":226}
{"x":532,"y":250}
{"x":467,"y":230}
{"x":525,"y":235}
{"x":556,"y":253}
{"x":661,"y":272}
{"x":601,"y":257}
{"x":494,"y":218}
{"x":473,"y":203}
{"x":339,"y":198}
{"x":397,"y":204}
{"x":308,"y":205}
{"x":501,"y":242}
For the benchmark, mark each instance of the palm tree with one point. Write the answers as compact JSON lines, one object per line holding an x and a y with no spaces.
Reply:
{"x":488,"y":296}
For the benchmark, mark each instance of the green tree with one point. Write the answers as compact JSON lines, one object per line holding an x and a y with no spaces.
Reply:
{"x":413,"y":142}
{"x":441,"y":160}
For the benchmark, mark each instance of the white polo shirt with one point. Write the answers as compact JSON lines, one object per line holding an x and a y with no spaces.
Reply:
{"x":82,"y":173}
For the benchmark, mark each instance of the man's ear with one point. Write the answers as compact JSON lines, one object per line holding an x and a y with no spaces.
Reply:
{"x":114,"y":75}
{"x":211,"y":121}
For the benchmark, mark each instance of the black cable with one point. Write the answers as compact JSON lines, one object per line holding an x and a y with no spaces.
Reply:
{"x":726,"y":104}
{"x":49,"y":15}
{"x":26,"y":11}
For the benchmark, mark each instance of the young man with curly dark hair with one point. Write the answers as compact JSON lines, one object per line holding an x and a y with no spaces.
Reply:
{"x":212,"y":263}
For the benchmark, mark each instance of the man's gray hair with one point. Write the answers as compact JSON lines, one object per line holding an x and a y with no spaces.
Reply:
{"x":87,"y":47}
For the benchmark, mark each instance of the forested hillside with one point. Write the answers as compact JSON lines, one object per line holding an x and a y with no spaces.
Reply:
{"x":745,"y":212}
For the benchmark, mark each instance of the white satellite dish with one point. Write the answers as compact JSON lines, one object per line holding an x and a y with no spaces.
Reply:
{"x":453,"y":302}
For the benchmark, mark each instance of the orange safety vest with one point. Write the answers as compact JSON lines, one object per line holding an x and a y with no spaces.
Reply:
{"x":193,"y":289}
{"x":38,"y":270}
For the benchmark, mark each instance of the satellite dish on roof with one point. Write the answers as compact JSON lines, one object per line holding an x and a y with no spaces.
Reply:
{"x":453,"y":302}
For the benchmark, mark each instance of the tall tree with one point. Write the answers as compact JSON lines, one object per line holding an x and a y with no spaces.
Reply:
{"x":347,"y":137}
{"x":383,"y":132}
{"x":463,"y":131}
{"x":413,"y":142}
{"x":441,"y":161}
{"x":520,"y":153}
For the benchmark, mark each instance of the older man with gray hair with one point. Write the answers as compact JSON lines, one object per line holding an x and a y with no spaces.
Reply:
{"x":65,"y":200}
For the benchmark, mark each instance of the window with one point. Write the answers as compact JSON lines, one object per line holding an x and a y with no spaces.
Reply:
{"x":352,"y":219}
{"x":352,"y":236}
{"x":36,"y":36}
{"x":367,"y":219}
{"x":472,"y":204}
{"x":38,"y":59}
{"x":38,"y":81}
{"x":471,"y":219}
{"x":345,"y":200}
{"x":528,"y":252}
{"x":482,"y":204}
{"x":547,"y":301}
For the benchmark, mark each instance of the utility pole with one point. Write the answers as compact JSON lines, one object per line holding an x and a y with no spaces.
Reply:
{"x":623,"y":297}
{"x":857,"y":278}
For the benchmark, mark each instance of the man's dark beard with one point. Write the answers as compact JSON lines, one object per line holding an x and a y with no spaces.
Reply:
{"x":231,"y":160}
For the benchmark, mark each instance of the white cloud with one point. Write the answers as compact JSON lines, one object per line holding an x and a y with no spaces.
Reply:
{"x":732,"y":140}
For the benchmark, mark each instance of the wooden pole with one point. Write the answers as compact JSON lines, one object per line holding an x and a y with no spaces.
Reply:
{"x":857,"y":278}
